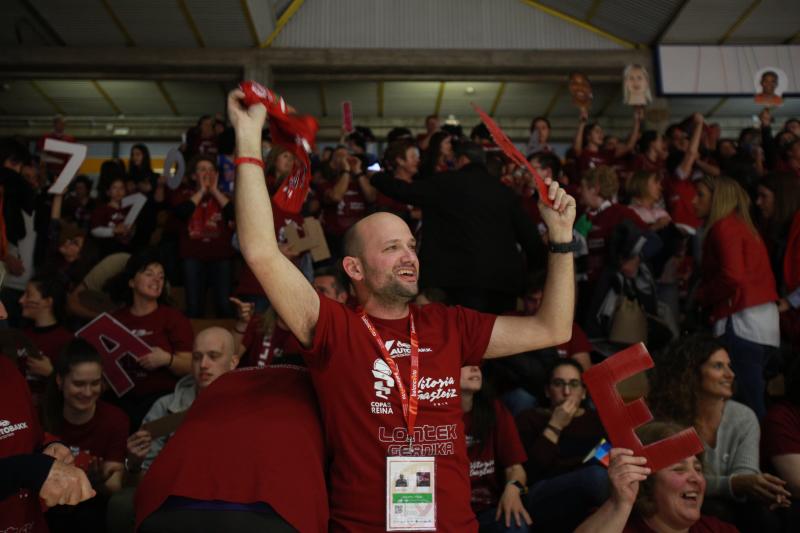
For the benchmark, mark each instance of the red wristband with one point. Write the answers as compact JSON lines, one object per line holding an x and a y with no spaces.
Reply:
{"x":244,"y":160}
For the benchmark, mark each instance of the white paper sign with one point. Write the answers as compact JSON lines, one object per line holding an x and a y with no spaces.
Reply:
{"x":78,"y":153}
{"x":137,"y":200}
{"x":174,"y":158}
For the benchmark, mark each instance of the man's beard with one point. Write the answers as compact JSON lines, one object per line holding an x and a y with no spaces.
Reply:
{"x":395,"y":293}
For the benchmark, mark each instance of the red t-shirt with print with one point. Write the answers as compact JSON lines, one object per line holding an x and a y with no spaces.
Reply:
{"x":20,"y":434}
{"x":488,"y":460}
{"x":593,"y":159}
{"x":104,"y":436}
{"x":261,"y":349}
{"x":248,"y":284}
{"x":362,"y":413}
{"x":206,"y":235}
{"x":166,"y":328}
{"x":337,"y":218}
{"x":107,"y":216}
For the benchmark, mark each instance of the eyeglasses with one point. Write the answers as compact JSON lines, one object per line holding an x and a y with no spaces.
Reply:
{"x":572,"y":384}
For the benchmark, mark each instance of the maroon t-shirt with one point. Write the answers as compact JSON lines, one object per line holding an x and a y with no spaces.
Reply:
{"x":104,"y":436}
{"x":166,"y":328}
{"x":362,"y":413}
{"x":603,"y":224}
{"x":107,"y":216}
{"x":206,"y":235}
{"x":262,"y":349}
{"x":593,"y":159}
{"x":50,"y":341}
{"x":271,"y":450}
{"x":657,"y":167}
{"x":706,"y":524}
{"x":578,"y":343}
{"x":337,"y":218}
{"x":780,"y":431}
{"x":20,"y":434}
{"x":488,"y":460}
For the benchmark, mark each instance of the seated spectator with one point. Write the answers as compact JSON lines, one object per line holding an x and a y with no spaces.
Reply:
{"x":248,"y":481}
{"x":30,"y":466}
{"x":141,"y":287}
{"x":78,"y":202}
{"x":562,"y":488}
{"x":345,"y":193}
{"x":213,"y":356}
{"x":94,"y":430}
{"x":67,"y":253}
{"x":496,"y":455}
{"x":108,"y":219}
{"x":140,"y":170}
{"x":692,"y":383}
{"x":737,"y":285}
{"x":643,"y":502}
{"x":205,"y":239}
{"x":43,"y":303}
{"x":780,"y":443}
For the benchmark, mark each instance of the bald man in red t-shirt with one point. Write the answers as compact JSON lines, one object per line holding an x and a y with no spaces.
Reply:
{"x":360,"y":361}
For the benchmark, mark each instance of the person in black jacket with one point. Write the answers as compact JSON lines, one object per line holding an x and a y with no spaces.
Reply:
{"x":472,"y":224}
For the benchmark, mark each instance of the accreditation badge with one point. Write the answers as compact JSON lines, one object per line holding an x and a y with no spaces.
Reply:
{"x":410,"y":493}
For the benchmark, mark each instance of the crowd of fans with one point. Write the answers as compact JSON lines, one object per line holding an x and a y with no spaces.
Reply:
{"x":686,"y":240}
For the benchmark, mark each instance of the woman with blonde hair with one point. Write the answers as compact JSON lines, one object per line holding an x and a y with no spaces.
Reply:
{"x":737,"y":285}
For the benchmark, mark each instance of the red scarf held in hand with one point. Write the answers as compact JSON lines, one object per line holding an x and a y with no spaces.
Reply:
{"x":296,"y":133}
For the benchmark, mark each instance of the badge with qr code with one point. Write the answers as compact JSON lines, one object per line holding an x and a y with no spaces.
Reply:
{"x":410,"y":494}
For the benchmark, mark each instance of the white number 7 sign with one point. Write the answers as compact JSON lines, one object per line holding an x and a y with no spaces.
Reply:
{"x":78,"y":153}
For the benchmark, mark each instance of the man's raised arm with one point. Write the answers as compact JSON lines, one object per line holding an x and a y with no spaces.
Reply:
{"x":552,"y":324}
{"x":294,"y":298}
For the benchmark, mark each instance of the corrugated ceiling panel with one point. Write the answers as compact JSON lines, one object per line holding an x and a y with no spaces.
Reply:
{"x":303,"y":96}
{"x":136,"y":97}
{"x":446,"y":24}
{"x":154,"y":23}
{"x":576,"y":8}
{"x":772,"y":22}
{"x":76,"y":97}
{"x":263,"y":17}
{"x":196,"y":99}
{"x":409,"y":98}
{"x":18,"y":28}
{"x":705,"y":21}
{"x":80,"y":22}
{"x":22,"y":99}
{"x":221,"y":22}
{"x":363,"y":96}
{"x":636,"y":20}
{"x":680,"y":108}
{"x":525,"y":99}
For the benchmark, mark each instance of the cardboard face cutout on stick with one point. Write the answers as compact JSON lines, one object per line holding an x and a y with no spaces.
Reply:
{"x":581,"y":90}
{"x":620,"y":419}
{"x":636,"y":86}
{"x":119,"y":348}
{"x":770,"y":82}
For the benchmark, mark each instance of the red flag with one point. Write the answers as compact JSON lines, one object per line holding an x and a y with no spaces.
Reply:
{"x":296,"y":133}
{"x":508,"y":148}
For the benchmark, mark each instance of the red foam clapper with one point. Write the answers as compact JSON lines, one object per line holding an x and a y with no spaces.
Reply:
{"x":621,"y":419}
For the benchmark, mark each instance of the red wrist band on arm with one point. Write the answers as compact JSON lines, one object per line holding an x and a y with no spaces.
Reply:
{"x":244,"y":160}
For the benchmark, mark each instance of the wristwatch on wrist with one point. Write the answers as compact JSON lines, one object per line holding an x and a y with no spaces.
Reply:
{"x":563,"y":247}
{"x":522,"y":488}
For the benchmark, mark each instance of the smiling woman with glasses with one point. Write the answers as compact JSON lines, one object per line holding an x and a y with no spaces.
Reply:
{"x":563,"y":490}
